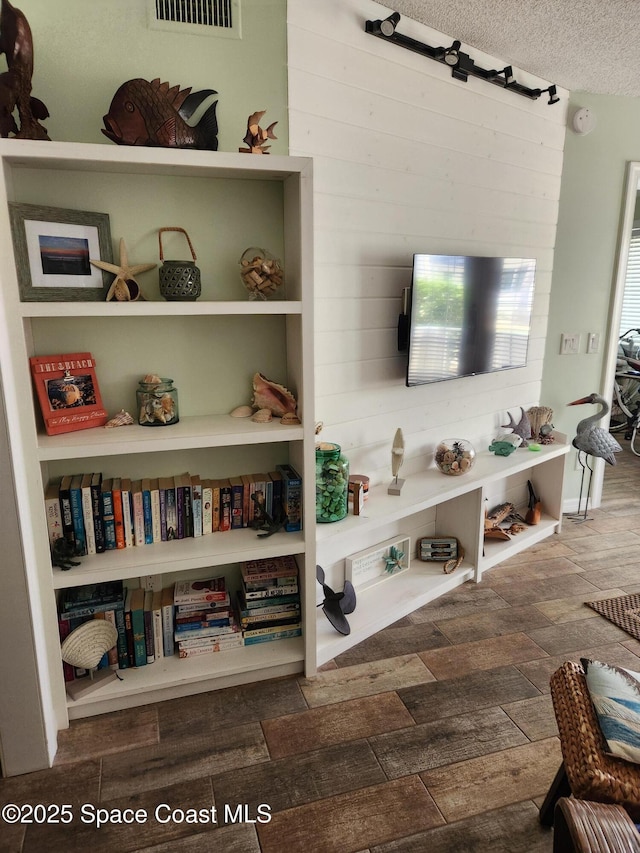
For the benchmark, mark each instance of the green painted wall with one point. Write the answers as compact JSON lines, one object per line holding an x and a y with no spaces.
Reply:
{"x":591,"y":201}
{"x":84,"y":50}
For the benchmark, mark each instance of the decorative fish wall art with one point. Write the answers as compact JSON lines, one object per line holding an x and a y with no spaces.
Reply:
{"x":157,"y":115}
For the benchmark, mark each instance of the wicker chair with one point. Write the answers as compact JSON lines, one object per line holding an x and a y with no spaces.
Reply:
{"x":584,"y":827}
{"x":586,"y":772}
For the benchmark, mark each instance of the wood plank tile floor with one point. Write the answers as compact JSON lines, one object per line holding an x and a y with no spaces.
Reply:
{"x":436,"y":734}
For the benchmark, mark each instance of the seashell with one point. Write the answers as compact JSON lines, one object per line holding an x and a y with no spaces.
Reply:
{"x":241,"y":412}
{"x":290,"y":419}
{"x":121,"y":419}
{"x":270,"y":395}
{"x":151,"y":379}
{"x":166,"y":401}
{"x":262,"y":416}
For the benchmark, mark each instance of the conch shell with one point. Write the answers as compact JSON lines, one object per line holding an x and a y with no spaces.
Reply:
{"x":270,"y":395}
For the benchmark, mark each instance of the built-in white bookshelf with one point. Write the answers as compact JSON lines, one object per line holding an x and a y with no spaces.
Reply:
{"x":434,"y":504}
{"x":211,"y":348}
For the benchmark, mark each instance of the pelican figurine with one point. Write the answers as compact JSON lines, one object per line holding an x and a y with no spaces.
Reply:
{"x":592,"y":440}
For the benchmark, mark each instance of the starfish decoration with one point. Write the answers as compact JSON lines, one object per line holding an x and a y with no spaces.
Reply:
{"x":393,"y":562}
{"x":124,"y":287}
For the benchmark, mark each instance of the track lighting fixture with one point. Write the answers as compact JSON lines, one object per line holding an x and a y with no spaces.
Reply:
{"x":508,"y":75}
{"x":553,"y":95}
{"x":460,"y":63}
{"x":451,"y":55}
{"x":388,"y":26}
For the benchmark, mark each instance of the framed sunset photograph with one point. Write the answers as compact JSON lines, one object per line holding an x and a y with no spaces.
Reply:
{"x":54,"y":248}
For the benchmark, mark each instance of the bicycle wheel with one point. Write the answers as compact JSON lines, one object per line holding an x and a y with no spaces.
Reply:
{"x":618,"y":421}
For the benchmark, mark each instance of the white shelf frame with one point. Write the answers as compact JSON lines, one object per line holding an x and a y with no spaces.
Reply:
{"x":459,"y":504}
{"x":31,"y":452}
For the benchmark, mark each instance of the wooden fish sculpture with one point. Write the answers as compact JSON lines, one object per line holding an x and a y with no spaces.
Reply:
{"x":157,"y":115}
{"x":16,"y":43}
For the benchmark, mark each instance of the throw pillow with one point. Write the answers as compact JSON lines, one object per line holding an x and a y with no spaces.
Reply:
{"x":615,"y":693}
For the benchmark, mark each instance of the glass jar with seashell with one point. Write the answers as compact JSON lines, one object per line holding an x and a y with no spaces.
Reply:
{"x":157,"y":401}
{"x":455,"y":456}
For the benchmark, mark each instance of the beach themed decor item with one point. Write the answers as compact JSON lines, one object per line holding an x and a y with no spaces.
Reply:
{"x":505,"y":443}
{"x":454,"y":456}
{"x":157,"y":401}
{"x":124,"y":287}
{"x":521,"y":428}
{"x":179,"y":280}
{"x":534,"y":511}
{"x":397,"y":458}
{"x":592,"y":440}
{"x":540,"y":418}
{"x":121,"y":419}
{"x":241,"y":412}
{"x":85,"y":647}
{"x":260,"y":272}
{"x":152,"y":113}
{"x":16,"y":43}
{"x":332,"y":483}
{"x":255,"y":137}
{"x":273,"y":396}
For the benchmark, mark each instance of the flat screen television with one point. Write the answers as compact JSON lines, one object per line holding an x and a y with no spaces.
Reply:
{"x":468,"y":315}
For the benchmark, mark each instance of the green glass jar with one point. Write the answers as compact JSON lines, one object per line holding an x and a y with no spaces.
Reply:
{"x":157,"y":403}
{"x":332,"y":483}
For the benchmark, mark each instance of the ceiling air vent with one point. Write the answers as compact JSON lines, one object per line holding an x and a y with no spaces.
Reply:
{"x":202,"y":17}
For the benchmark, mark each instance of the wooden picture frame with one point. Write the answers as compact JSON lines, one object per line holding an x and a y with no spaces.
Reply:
{"x":68,"y":392}
{"x":369,"y":567}
{"x":53,"y":248}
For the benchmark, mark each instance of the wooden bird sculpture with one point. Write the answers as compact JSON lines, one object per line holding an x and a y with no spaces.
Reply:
{"x":592,"y":440}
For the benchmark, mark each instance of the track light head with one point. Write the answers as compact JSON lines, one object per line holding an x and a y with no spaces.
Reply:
{"x":452,"y":54}
{"x":553,"y":95}
{"x":508,"y":75}
{"x":388,"y":26}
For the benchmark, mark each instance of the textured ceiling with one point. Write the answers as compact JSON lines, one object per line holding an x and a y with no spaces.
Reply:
{"x":581,"y":45}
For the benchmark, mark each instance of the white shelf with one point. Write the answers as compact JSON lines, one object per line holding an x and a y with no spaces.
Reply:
{"x":431,"y":487}
{"x":383,"y":604}
{"x":171,"y":677}
{"x":178,"y":555}
{"x":188,"y":433}
{"x":159,"y":309}
{"x":459,"y":505}
{"x":496,"y":551}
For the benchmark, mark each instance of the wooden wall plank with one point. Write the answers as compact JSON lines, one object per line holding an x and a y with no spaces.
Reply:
{"x":407,"y":159}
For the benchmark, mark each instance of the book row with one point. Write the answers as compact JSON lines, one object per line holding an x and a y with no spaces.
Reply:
{"x":189,"y":617}
{"x":96,"y":514}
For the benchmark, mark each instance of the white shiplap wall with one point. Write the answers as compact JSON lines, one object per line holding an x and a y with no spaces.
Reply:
{"x":407,"y":159}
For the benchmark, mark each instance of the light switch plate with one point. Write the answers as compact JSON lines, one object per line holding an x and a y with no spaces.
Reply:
{"x":570,"y":343}
{"x":593,"y":342}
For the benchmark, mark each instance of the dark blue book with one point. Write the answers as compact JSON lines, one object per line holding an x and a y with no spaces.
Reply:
{"x":291,"y":497}
{"x":146,"y":510}
{"x":108,"y":517}
{"x":75,"y":495}
{"x":96,"y":509}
